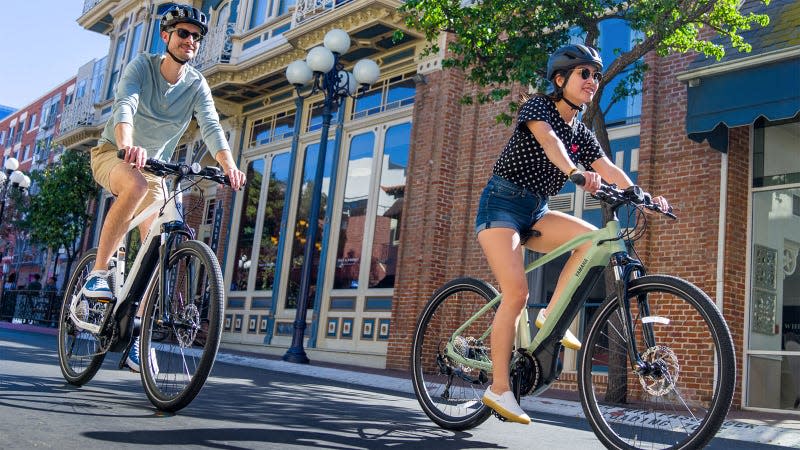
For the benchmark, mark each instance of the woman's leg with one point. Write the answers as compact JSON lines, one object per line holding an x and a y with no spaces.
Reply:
{"x":504,"y":254}
{"x":557,"y":228}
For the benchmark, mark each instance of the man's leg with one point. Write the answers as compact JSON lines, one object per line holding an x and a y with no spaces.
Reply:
{"x":130,"y":188}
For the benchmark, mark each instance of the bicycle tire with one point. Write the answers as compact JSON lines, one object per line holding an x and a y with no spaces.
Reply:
{"x":79,"y":353}
{"x":451,"y":394}
{"x":178,"y":369}
{"x":669,"y":408}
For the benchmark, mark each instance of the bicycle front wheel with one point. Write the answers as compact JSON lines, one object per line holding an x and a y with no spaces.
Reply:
{"x":180,"y":333}
{"x":683,"y":396}
{"x":80,"y":353}
{"x":449,"y":392}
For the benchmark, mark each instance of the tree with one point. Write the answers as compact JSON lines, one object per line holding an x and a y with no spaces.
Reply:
{"x":56,"y":215}
{"x":501,"y":42}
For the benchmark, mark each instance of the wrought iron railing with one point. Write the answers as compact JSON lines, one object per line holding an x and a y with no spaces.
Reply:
{"x":80,"y":113}
{"x":216,"y":47}
{"x":306,"y":10}
{"x":31,"y":307}
{"x":89,"y":4}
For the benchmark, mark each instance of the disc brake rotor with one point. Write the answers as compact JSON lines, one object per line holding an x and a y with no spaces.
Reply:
{"x":665,"y":370}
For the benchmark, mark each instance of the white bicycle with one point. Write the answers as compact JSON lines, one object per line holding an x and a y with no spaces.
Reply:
{"x":180,"y":281}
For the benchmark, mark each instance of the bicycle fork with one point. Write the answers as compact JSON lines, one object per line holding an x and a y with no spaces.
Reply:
{"x":626,"y":268}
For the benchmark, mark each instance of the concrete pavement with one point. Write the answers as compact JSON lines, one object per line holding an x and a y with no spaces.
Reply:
{"x":748,"y":425}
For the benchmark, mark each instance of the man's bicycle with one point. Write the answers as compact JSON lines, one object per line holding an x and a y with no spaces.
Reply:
{"x":657,"y":369}
{"x":180,"y":281}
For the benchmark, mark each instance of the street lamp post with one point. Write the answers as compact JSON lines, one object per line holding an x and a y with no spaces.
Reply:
{"x":11,"y":178}
{"x":324,"y":72}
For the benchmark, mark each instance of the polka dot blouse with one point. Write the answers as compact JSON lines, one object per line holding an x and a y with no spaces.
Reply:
{"x":523,"y":161}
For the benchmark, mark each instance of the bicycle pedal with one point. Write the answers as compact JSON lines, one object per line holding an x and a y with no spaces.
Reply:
{"x":499,"y":417}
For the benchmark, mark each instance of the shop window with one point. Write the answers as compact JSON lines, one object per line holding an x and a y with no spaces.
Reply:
{"x":773,"y":377}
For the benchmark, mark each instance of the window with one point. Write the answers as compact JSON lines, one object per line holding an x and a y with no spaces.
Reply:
{"x":3,"y":137}
{"x":376,"y":173}
{"x":179,"y":155}
{"x":615,"y":37}
{"x":98,"y":77}
{"x":136,"y":41}
{"x":262,"y":11}
{"x":32,"y":124}
{"x":116,"y":67}
{"x":315,"y":118}
{"x":157,"y":45}
{"x":247,"y":225}
{"x":210,"y":210}
{"x":395,"y":92}
{"x":11,"y":135}
{"x":272,"y":128}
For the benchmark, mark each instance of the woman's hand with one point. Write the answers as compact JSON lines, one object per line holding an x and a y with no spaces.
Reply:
{"x":660,"y":202}
{"x":593,"y":181}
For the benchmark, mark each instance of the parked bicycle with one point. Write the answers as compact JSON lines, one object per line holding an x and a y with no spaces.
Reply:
{"x":180,"y":281}
{"x":657,"y":369}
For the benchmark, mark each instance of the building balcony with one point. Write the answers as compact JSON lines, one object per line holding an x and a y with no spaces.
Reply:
{"x":216,"y":47}
{"x":80,"y":125}
{"x":96,"y":15}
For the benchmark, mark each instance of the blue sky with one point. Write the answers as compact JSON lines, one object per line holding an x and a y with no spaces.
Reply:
{"x":41,"y":46}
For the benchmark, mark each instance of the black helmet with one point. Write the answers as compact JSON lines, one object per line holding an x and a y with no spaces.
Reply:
{"x":184,"y":14}
{"x":569,"y":56}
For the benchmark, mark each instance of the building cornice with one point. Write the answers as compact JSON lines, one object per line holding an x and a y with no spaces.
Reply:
{"x":741,"y":63}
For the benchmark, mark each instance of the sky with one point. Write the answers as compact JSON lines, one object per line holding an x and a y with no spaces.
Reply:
{"x":41,"y":47}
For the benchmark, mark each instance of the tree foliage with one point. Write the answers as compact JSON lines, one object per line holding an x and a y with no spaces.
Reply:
{"x":501,"y":42}
{"x":56,"y":214}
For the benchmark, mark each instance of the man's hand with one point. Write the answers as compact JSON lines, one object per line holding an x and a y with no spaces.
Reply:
{"x":237,"y":177}
{"x":135,"y":155}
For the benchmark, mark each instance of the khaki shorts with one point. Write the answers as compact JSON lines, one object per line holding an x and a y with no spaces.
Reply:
{"x":104,"y":159}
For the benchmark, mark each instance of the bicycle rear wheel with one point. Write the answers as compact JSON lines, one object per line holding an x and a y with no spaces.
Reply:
{"x":680,"y":334}
{"x":180,"y":334}
{"x":80,"y":353}
{"x":450,"y":393}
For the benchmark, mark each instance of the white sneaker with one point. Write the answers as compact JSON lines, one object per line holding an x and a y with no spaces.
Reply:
{"x":506,"y":405}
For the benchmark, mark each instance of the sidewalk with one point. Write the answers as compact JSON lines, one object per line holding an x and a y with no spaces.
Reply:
{"x":781,"y":429}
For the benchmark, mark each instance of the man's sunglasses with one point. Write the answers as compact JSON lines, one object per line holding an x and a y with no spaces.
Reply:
{"x":184,"y":34}
{"x":586,"y":73}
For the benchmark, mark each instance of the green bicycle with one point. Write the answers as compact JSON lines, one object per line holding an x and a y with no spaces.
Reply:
{"x":657,"y":369}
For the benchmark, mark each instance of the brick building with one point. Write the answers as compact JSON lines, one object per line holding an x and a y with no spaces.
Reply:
{"x":28,"y":136}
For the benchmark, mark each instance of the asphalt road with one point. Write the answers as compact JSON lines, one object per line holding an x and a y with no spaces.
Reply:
{"x":239,"y":408}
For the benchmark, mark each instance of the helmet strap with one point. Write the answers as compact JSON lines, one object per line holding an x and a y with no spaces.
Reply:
{"x":572,"y":105}
{"x":175,"y":58}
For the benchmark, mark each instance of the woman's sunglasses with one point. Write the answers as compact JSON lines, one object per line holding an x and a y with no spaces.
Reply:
{"x":184,"y":34}
{"x":586,"y":73}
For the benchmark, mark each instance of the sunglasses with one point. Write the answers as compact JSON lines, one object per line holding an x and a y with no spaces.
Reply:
{"x":586,"y":73}
{"x":184,"y":34}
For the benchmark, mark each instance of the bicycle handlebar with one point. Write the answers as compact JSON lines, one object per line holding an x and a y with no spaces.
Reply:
{"x":617,"y":197}
{"x":162,"y":168}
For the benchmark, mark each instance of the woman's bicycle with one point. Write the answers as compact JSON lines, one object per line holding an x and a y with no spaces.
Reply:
{"x":180,"y":281}
{"x":657,"y":368}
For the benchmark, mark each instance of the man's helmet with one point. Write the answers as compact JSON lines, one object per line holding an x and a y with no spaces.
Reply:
{"x":569,"y":56}
{"x":184,"y":14}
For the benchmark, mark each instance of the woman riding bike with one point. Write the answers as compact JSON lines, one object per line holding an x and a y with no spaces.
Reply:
{"x":547,"y":146}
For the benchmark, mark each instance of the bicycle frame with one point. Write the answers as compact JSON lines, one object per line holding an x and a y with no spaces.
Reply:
{"x":154,"y":249}
{"x":607,"y":245}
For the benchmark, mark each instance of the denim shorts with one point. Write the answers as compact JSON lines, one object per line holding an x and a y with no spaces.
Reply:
{"x":503,"y":204}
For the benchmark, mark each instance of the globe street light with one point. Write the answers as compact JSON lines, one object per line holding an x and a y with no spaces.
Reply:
{"x":16,"y":179}
{"x":324,"y":72}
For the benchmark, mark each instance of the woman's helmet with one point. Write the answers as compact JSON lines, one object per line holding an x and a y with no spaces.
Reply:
{"x":184,"y":14}
{"x":569,"y":56}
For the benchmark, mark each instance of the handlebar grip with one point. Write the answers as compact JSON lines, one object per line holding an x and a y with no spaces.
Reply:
{"x":578,"y":179}
{"x":121,"y":153}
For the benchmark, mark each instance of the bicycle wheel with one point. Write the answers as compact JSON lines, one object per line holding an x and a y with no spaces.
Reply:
{"x":80,"y":353}
{"x":175,"y":368}
{"x":450,"y":393}
{"x":680,"y":334}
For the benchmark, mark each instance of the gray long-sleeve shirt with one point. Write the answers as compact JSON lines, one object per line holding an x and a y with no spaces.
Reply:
{"x":160,"y":112}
